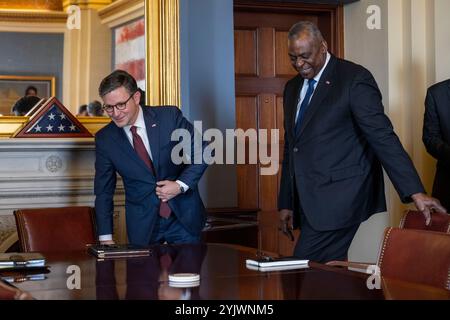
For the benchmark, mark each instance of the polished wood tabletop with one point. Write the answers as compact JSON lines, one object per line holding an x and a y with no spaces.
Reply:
{"x":223,"y":275}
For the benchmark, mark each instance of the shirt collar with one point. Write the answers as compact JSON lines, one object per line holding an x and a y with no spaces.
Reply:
{"x":140,"y":123}
{"x":317,"y":77}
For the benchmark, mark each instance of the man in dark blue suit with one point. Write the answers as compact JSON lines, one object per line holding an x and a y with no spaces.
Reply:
{"x":162,"y":200}
{"x":436,"y":137}
{"x":337,"y":138}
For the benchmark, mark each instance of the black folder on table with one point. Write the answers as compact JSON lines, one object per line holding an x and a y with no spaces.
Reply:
{"x":106,"y":251}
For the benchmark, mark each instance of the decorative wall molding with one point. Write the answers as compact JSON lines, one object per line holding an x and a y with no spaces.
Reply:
{"x":162,"y":52}
{"x":38,"y":21}
{"x":122,"y":11}
{"x":8,"y":234}
{"x":41,"y":173}
{"x":10,"y":124}
{"x":86,"y":4}
{"x":33,"y":16}
{"x":55,"y":5}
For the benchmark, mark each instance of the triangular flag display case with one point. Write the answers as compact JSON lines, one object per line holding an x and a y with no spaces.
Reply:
{"x":52,"y":120}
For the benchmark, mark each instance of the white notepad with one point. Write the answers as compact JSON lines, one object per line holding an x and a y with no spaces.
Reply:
{"x":273,"y":264}
{"x":277,"y":268}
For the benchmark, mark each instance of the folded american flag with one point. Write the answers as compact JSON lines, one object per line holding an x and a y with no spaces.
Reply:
{"x":54,"y":121}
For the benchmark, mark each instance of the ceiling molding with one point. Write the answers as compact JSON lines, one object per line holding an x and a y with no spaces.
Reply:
{"x":24,"y":16}
{"x":122,"y":11}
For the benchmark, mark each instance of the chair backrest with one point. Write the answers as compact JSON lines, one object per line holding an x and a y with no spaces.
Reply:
{"x":412,"y":219}
{"x":55,"y":229}
{"x":416,"y":256}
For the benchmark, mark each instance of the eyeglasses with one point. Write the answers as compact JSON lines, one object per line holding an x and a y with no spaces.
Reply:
{"x":119,"y":106}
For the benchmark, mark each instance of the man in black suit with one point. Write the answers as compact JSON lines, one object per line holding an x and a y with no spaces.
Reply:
{"x":436,"y":137}
{"x":337,"y":137}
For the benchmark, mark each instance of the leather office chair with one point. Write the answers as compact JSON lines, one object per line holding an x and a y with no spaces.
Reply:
{"x":416,"y":256}
{"x":55,"y":229}
{"x":8,"y":292}
{"x":413,"y":219}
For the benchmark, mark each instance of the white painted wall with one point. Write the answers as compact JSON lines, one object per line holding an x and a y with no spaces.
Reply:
{"x":368,"y":48}
{"x":407,"y":55}
{"x":442,"y":36}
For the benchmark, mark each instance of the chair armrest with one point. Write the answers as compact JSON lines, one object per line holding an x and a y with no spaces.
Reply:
{"x":356,"y":266}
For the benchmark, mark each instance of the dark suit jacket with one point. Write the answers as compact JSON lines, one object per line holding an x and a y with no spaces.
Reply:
{"x":436,"y":137}
{"x":336,"y":159}
{"x":115,"y":154}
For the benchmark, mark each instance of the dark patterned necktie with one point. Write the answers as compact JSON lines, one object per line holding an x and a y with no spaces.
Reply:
{"x":138,"y":144}
{"x":304,"y":105}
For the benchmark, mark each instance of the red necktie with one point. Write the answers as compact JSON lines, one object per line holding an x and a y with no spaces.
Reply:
{"x":164,"y":209}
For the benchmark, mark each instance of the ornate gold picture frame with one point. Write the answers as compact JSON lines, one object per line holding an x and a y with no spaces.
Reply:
{"x":162,"y":52}
{"x":13,"y":88}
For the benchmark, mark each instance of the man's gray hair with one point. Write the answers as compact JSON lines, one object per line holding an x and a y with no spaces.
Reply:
{"x":305,"y":27}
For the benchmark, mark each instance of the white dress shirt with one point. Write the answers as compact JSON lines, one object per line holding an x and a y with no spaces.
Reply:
{"x":306,"y":83}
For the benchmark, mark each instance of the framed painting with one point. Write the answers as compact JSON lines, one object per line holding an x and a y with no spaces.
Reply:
{"x":129,"y":49}
{"x":13,"y":88}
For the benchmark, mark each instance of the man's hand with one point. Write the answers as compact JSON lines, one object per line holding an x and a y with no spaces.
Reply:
{"x":426,"y":205}
{"x":286,"y":223}
{"x":107,"y":242}
{"x":166,"y":190}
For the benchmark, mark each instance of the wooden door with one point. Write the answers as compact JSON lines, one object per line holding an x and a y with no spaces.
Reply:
{"x":262,"y":68}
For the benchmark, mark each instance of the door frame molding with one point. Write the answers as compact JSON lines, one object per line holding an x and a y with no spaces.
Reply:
{"x":335,"y":11}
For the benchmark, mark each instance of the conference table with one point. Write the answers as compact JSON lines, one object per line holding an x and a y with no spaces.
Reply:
{"x":223,"y":276}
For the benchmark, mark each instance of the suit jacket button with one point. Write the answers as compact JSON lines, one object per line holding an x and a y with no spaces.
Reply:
{"x":295,"y":149}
